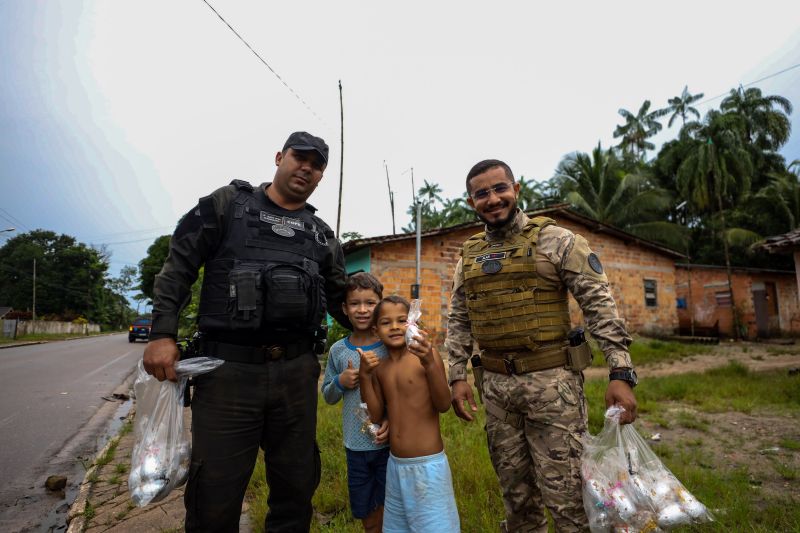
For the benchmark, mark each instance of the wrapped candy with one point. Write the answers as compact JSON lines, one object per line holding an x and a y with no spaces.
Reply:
{"x":414,"y":314}
{"x":367,"y":426}
{"x":162,"y":451}
{"x":627,"y":488}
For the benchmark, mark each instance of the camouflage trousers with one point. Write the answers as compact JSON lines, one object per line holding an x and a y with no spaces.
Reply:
{"x":538,"y":464}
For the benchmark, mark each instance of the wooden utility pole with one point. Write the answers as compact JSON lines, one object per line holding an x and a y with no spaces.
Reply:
{"x":341,"y":159}
{"x":34,"y":294}
{"x":391,"y":195}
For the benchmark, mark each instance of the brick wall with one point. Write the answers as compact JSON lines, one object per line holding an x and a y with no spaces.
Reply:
{"x":709,"y":287}
{"x":627,"y":265}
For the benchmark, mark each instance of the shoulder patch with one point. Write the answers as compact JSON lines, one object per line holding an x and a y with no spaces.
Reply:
{"x":594,"y":262}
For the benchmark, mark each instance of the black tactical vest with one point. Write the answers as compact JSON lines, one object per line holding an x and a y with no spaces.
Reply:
{"x":265,"y":273}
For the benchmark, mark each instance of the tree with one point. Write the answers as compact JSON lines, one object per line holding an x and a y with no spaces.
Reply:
{"x":681,"y":106}
{"x":716,"y":174}
{"x":765,"y":127}
{"x":70,"y":276}
{"x":599,"y":187}
{"x":351,"y":236}
{"x":638,"y":128}
{"x":152,"y":263}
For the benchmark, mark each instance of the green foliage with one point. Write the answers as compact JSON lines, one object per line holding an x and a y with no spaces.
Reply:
{"x":336,"y":331}
{"x":638,"y":128}
{"x":71,"y":279}
{"x":152,"y":263}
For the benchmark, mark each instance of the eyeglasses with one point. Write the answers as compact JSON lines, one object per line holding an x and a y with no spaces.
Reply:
{"x":483,"y":194}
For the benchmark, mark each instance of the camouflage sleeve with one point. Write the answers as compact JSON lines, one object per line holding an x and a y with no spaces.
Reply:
{"x":583,"y":274}
{"x":459,"y":335}
{"x":194,"y":239}
{"x":335,"y":275}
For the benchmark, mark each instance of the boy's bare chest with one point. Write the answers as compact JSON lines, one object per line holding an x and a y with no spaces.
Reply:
{"x":404,"y":380}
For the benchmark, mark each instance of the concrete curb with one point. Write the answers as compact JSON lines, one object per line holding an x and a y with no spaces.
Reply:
{"x":75,"y":519}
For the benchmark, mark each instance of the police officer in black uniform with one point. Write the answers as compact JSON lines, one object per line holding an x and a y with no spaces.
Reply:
{"x":272,"y":269}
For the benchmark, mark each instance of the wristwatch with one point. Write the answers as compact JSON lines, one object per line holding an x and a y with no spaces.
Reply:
{"x":627,"y":375}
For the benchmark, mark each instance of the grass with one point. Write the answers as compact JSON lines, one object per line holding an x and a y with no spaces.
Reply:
{"x":108,"y":456}
{"x":733,"y":494}
{"x":89,"y":511}
{"x":45,"y":337}
{"x":789,"y":444}
{"x":649,"y":351}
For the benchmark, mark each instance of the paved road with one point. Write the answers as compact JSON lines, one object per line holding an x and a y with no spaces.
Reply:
{"x":53,"y":416}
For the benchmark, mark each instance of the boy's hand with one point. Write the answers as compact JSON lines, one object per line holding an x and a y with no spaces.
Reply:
{"x":349,"y":376}
{"x":422,"y":348}
{"x":369,"y":361}
{"x":382,"y":434}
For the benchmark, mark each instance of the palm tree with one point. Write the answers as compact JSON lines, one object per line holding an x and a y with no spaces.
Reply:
{"x":598,"y":186}
{"x":716,"y":173}
{"x":765,"y":127}
{"x":638,"y":128}
{"x":681,"y":106}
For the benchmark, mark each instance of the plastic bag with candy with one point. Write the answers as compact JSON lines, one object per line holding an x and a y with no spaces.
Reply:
{"x":626,"y":487}
{"x":367,"y":427}
{"x":162,"y":447}
{"x":414,"y":314}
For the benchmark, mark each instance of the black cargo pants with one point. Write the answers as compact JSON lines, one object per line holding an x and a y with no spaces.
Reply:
{"x":235,"y":410}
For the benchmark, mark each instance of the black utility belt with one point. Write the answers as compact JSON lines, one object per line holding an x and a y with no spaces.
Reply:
{"x":239,"y":353}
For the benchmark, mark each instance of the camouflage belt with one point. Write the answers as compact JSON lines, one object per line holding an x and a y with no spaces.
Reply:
{"x":515,"y":363}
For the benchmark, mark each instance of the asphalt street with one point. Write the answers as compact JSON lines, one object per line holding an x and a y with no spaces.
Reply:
{"x":53,"y":417}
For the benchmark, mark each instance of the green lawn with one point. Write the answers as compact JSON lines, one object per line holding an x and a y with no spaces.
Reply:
{"x":729,"y":491}
{"x":646,"y":351}
{"x":48,"y":337}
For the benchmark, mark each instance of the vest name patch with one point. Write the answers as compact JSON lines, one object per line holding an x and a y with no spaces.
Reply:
{"x":269,"y":218}
{"x":491,"y":257}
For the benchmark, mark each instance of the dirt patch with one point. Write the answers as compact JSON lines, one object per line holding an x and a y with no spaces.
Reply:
{"x":755,"y":356}
{"x":760,"y":444}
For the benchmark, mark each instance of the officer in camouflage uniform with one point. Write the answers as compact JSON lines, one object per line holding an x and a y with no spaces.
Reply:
{"x":510,"y":297}
{"x":271,"y":265}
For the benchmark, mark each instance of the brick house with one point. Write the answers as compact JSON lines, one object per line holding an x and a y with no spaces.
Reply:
{"x":641,"y":273}
{"x":766,"y":300}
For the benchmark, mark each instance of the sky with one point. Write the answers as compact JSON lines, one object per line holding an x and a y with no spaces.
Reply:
{"x":116,"y":116}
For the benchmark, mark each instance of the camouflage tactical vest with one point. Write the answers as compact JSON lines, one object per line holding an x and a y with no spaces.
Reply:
{"x":510,"y":307}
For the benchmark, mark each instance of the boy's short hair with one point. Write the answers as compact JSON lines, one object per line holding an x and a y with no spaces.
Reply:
{"x":392,"y":299}
{"x":364,"y":280}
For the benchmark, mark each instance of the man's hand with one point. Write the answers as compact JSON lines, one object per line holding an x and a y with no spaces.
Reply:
{"x":369,"y":361}
{"x":159,"y":359}
{"x":349,"y":376}
{"x":620,"y":393}
{"x":462,"y":391}
{"x":383,"y":433}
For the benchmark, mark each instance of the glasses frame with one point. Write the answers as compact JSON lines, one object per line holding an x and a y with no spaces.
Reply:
{"x":483,"y":194}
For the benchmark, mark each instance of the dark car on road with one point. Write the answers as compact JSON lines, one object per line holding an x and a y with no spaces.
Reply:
{"x":140,"y":329}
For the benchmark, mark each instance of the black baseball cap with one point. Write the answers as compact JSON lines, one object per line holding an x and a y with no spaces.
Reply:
{"x":302,"y":140}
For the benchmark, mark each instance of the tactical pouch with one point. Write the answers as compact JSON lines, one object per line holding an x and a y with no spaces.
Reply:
{"x":477,"y":373}
{"x":579,"y":357}
{"x":293,"y":297}
{"x":245,"y":296}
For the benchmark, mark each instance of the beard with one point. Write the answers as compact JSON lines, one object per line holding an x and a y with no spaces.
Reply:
{"x":500,"y":223}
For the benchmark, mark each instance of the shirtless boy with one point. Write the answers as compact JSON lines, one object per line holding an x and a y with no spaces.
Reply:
{"x":410,"y":384}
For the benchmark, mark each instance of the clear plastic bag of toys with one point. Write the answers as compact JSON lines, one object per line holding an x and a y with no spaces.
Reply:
{"x":367,"y":427}
{"x":627,"y":488}
{"x":162,"y":448}
{"x":414,"y":314}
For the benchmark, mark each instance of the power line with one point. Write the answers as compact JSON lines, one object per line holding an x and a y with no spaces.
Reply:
{"x":296,"y":95}
{"x":14,"y":220}
{"x":787,"y":69}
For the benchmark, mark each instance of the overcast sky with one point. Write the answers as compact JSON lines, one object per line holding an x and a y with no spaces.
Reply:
{"x":117,"y":115}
